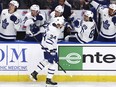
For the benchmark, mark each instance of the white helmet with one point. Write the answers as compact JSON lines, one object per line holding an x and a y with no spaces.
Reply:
{"x":88,"y":13}
{"x":59,"y":8}
{"x":35,"y":7}
{"x":59,"y":20}
{"x":112,"y":6}
{"x":15,"y":3}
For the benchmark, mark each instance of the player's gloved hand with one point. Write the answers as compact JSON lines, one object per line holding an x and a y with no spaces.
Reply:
{"x":76,"y":23}
{"x":29,"y":33}
{"x":69,"y":27}
{"x":54,"y":55}
{"x":52,"y":52}
{"x":114,"y":20}
{"x":51,"y":56}
{"x":13,"y":18}
{"x":39,"y":17}
{"x":72,"y":19}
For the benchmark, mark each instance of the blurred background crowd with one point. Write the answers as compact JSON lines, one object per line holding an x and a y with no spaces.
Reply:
{"x":48,"y":4}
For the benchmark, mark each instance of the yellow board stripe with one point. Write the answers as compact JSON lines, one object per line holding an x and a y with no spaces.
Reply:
{"x":58,"y":78}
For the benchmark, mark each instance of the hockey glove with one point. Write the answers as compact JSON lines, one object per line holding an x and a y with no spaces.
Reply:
{"x":51,"y":56}
{"x":48,"y":57}
{"x":76,"y":23}
{"x":54,"y":55}
{"x":72,"y":19}
{"x":114,"y":20}
{"x":69,"y":26}
{"x":39,"y":17}
{"x":13,"y":18}
{"x":29,"y":33}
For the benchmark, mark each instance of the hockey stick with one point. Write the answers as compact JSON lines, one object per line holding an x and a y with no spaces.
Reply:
{"x":61,"y":67}
{"x":46,"y":50}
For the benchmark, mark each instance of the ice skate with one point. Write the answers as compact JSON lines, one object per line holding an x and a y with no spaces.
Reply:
{"x":33,"y":76}
{"x":48,"y":81}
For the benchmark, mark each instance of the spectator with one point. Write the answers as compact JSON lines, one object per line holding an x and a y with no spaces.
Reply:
{"x":29,"y":3}
{"x":5,"y":3}
{"x":42,"y":3}
{"x":75,"y":5}
{"x":23,"y":4}
{"x":48,"y":4}
{"x":79,"y":5}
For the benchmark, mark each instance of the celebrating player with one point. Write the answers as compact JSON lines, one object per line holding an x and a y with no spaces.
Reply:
{"x":58,"y":13}
{"x":10,"y":22}
{"x":49,"y":44}
{"x":33,"y":24}
{"x":108,"y":21}
{"x":85,"y":28}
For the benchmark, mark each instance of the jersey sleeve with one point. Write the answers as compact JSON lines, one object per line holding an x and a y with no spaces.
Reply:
{"x":17,"y":23}
{"x":97,"y":6}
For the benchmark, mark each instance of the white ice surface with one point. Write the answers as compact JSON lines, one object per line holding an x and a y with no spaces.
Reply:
{"x":66,"y":84}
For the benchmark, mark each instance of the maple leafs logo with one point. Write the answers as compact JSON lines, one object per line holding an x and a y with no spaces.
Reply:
{"x":4,"y":23}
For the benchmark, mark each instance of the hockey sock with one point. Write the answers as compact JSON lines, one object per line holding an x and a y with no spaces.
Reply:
{"x":51,"y":71}
{"x":41,"y":65}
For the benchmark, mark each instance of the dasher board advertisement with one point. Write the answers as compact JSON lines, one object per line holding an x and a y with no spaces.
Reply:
{"x":87,"y":58}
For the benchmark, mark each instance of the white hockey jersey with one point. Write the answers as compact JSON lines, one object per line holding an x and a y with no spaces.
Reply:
{"x":85,"y":31}
{"x":50,"y":39}
{"x":51,"y":19}
{"x":108,"y":29}
{"x":9,"y":28}
{"x":30,"y":20}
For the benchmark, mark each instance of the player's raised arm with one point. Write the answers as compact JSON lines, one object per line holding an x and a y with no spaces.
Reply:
{"x":93,"y":3}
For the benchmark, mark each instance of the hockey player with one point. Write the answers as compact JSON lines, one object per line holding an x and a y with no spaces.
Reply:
{"x":10,"y":22}
{"x":108,"y":22}
{"x":57,"y":13}
{"x":84,"y":28}
{"x":49,"y":44}
{"x":33,"y":24}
